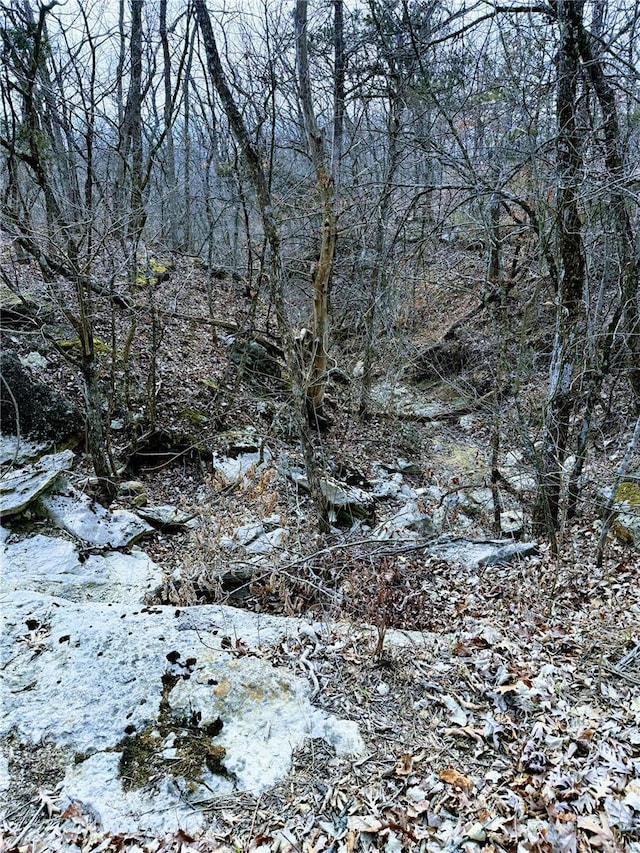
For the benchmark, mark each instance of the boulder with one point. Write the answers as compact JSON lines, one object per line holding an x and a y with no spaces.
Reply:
{"x":346,"y":503}
{"x":482,"y":552}
{"x":41,"y":411}
{"x":20,"y":488}
{"x":90,"y":522}
{"x":254,"y":361}
{"x":407,"y":523}
{"x":243,"y":452}
{"x":53,"y":567}
{"x":626,"y":510}
{"x":167,"y":517}
{"x":18,"y":451}
{"x":257,"y":537}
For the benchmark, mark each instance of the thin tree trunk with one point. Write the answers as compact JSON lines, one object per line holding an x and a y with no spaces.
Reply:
{"x":329,"y":227}
{"x":561,"y":396}
{"x":253,"y":162}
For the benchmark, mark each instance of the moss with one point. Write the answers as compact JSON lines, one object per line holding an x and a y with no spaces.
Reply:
{"x":193,"y":416}
{"x":147,"y":756}
{"x":211,"y":384}
{"x":629,"y":492}
{"x":153,"y":271}
{"x":75,"y":343}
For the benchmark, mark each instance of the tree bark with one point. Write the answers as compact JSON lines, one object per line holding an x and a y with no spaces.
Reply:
{"x":329,"y":227}
{"x":564,"y":364}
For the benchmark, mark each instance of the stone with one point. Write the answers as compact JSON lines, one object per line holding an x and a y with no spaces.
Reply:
{"x":20,"y":488}
{"x":474,"y":502}
{"x":34,"y":361}
{"x":254,"y":361}
{"x":512,"y":522}
{"x":52,"y":566}
{"x":116,"y":686}
{"x":254,"y":538}
{"x":484,"y":552}
{"x":245,"y":453}
{"x":166,"y":516}
{"x":41,"y":412}
{"x":408,"y":402}
{"x":407,"y":523}
{"x":92,"y":523}
{"x":346,"y":503}
{"x":626,"y":510}
{"x":21,"y":311}
{"x":18,"y":450}
{"x":518,"y":474}
{"x":507,"y":553}
{"x":406,"y":467}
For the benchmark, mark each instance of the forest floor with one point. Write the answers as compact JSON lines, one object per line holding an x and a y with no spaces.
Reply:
{"x":500,"y":707}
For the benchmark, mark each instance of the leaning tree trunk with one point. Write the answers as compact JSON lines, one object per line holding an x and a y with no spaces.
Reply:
{"x":253,"y":161}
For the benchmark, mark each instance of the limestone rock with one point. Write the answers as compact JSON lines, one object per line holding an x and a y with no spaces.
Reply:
{"x":485,"y":552}
{"x":120,"y":686}
{"x":407,"y":523}
{"x":245,"y":452}
{"x":346,"y":503}
{"x":52,"y":566}
{"x":166,"y":516}
{"x":88,"y":521}
{"x":255,"y":537}
{"x":20,"y":488}
{"x":626,"y":510}
{"x":19,"y":450}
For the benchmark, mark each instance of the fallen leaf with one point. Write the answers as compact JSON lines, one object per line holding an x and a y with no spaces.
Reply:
{"x":369,"y":823}
{"x":457,"y":780}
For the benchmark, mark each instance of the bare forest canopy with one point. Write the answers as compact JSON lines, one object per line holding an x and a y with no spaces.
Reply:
{"x":359,"y":173}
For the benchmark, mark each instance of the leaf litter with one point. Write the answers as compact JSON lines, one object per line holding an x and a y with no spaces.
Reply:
{"x":514,"y":726}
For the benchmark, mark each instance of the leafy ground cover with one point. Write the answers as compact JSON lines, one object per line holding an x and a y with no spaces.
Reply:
{"x":500,"y":707}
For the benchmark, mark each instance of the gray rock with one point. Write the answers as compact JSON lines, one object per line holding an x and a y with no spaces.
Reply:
{"x":475,"y":553}
{"x":245,"y":453}
{"x":104,"y":681}
{"x":407,"y":402}
{"x":512,"y":521}
{"x":41,"y":411}
{"x":509,"y":552}
{"x":475,"y":502}
{"x":407,"y":523}
{"x":267,"y":542}
{"x":20,"y":488}
{"x":166,"y":516}
{"x":345,"y":502}
{"x":92,"y":523}
{"x":52,"y":566}
{"x":518,"y":473}
{"x":19,"y":450}
{"x":254,"y":538}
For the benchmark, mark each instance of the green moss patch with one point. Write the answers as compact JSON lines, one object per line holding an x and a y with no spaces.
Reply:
{"x":629,"y":492}
{"x":174,"y":746}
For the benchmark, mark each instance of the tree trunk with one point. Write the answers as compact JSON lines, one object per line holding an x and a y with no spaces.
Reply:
{"x":253,"y":162}
{"x":326,"y":190}
{"x":564,"y":364}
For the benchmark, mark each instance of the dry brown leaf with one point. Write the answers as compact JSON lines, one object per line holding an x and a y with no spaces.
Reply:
{"x":457,"y":780}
